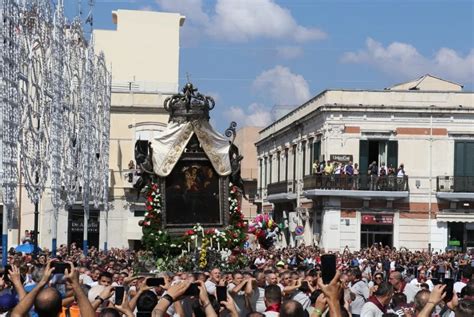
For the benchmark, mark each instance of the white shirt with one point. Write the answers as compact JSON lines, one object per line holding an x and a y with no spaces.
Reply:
{"x":458,"y":286}
{"x":259,"y":261}
{"x":261,"y":300}
{"x":271,"y":314}
{"x":210,"y":287}
{"x":416,"y":283}
{"x":370,"y":310}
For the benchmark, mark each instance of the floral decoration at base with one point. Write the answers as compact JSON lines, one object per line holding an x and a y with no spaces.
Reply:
{"x":199,"y":248}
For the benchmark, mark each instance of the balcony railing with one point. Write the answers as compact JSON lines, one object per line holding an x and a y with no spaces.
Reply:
{"x":359,"y":182}
{"x":455,"y":184}
{"x":277,"y":188}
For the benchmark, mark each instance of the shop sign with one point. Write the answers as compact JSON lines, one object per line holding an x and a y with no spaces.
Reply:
{"x":377,"y":219}
{"x":343,"y":158}
{"x":78,"y":226}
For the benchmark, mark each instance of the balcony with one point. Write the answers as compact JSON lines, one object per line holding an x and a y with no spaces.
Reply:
{"x":361,"y":186}
{"x":455,"y":188}
{"x":281,"y":191}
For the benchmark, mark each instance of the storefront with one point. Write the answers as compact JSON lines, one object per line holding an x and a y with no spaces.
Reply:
{"x":76,"y":228}
{"x":460,"y":236}
{"x":376,"y":228}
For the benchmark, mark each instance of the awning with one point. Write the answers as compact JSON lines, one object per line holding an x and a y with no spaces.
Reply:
{"x":282,"y":197}
{"x":455,"y":217}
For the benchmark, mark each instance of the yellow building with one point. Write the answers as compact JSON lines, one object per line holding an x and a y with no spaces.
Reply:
{"x":143,"y":54}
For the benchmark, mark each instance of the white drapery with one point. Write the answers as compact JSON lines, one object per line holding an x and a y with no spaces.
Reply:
{"x":168,"y":146}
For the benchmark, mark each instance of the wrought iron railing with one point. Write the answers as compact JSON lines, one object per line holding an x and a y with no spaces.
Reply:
{"x":455,"y":184}
{"x":356,"y":182}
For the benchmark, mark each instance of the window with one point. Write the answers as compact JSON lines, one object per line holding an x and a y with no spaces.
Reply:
{"x":303,"y":145}
{"x":271,"y":163}
{"x":261,"y":172}
{"x":316,"y":150}
{"x":311,"y":154}
{"x":278,"y":165}
{"x":286,"y":165}
{"x":139,"y":213}
{"x":294,"y":163}
{"x":266,"y":175}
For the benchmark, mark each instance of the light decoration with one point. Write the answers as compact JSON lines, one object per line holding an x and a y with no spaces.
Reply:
{"x":55,"y":115}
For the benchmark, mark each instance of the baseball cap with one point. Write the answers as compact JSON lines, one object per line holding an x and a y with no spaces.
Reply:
{"x":7,"y":302}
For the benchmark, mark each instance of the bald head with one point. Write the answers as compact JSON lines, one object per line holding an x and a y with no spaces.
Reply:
{"x":421,"y":298}
{"x":291,"y":308}
{"x":48,"y":303}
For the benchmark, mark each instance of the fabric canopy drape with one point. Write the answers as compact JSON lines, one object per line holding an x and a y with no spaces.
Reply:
{"x":169,"y":145}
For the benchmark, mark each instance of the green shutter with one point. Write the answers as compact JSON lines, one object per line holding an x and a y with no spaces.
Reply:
{"x":317,"y":151}
{"x":459,"y":159}
{"x":469,"y":159}
{"x":392,"y":154}
{"x":363,"y":157}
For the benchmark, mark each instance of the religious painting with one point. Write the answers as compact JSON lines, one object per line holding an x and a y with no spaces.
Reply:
{"x":192,"y":194}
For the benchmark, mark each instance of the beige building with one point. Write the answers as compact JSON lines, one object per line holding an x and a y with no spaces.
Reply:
{"x":426,"y":124}
{"x":143,"y":56}
{"x":245,"y":141}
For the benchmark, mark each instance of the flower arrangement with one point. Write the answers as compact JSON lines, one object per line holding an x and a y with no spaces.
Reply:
{"x":265,"y":229}
{"x":207,"y":244}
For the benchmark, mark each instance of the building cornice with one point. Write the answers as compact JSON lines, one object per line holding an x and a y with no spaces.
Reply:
{"x":138,"y":109}
{"x":368,"y":108}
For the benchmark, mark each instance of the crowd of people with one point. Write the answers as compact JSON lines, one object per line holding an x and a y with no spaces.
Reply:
{"x":338,"y":175}
{"x":373,"y":282}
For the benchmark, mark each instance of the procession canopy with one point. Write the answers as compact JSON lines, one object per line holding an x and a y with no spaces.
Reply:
{"x":189,"y":115}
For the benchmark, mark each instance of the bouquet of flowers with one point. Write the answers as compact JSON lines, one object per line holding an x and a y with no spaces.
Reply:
{"x":265,"y":229}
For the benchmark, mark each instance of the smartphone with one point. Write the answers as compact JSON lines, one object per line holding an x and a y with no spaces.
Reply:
{"x":5,"y":272}
{"x":155,"y":281}
{"x":60,"y":267}
{"x":119,"y":293}
{"x":449,"y":289}
{"x":328,"y":267}
{"x":193,"y":290}
{"x":221,"y":292}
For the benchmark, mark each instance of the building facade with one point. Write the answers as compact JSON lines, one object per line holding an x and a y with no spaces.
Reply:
{"x":426,"y":124}
{"x":143,"y":56}
{"x":245,"y":140}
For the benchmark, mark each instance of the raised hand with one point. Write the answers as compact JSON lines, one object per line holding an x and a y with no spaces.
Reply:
{"x":48,"y":271}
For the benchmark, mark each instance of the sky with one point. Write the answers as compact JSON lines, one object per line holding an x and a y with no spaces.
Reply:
{"x":251,"y":55}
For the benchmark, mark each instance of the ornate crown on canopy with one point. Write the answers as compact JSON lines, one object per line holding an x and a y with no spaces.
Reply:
{"x":189,"y":105}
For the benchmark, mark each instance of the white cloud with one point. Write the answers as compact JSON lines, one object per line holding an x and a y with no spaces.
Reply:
{"x":243,"y":20}
{"x":255,"y":115}
{"x":289,"y":52}
{"x":192,"y":9}
{"x":282,"y":86}
{"x":404,"y":59}
{"x":146,"y":8}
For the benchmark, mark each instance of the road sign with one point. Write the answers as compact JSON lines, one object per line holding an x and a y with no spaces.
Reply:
{"x":299,"y":230}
